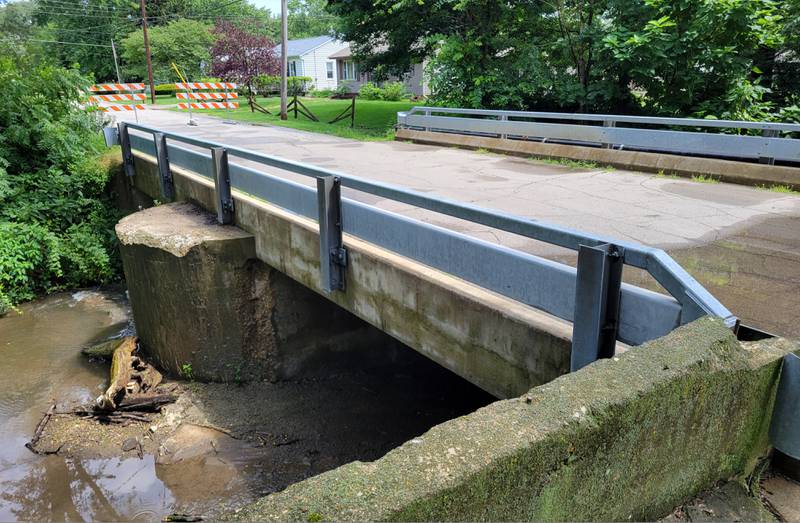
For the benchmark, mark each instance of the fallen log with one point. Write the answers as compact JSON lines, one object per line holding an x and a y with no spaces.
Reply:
{"x":37,"y":434}
{"x":104,"y":350}
{"x":121,"y":369}
{"x":152,"y":403}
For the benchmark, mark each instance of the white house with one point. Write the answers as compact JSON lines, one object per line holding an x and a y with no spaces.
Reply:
{"x":329,"y":63}
{"x":310,"y":57}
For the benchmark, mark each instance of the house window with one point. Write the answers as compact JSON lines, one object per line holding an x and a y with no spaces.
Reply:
{"x":329,"y":70}
{"x":349,"y":70}
{"x":293,"y":68}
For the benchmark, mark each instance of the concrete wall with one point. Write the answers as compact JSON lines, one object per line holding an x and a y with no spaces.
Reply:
{"x":496,"y":343}
{"x":725,"y":170}
{"x":624,"y":439}
{"x":202,"y":299}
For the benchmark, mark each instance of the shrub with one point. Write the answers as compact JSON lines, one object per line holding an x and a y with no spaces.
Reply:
{"x":393,"y":92}
{"x":166,"y":89}
{"x":56,"y":222}
{"x":320,"y":93}
{"x":344,"y":88}
{"x":270,"y":83}
{"x":370,"y":91}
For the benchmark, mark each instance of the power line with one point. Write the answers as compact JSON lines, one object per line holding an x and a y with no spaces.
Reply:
{"x":51,"y":42}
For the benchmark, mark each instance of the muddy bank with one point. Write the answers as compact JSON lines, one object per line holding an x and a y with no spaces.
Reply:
{"x":216,"y":448}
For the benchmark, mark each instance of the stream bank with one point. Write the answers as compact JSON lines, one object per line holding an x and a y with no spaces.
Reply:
{"x":219,"y":446}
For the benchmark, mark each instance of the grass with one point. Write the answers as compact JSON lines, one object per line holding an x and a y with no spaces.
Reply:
{"x":785,"y":189}
{"x":375,"y":119}
{"x":702,"y":178}
{"x":573,"y":164}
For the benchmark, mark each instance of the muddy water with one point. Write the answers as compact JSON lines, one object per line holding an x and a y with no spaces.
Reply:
{"x":288,"y":431}
{"x":39,"y":363}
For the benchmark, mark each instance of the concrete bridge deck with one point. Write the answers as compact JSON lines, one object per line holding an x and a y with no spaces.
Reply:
{"x":742,"y":243}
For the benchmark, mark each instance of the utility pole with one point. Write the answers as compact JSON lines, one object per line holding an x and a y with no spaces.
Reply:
{"x":284,"y":56}
{"x":116,"y":62}
{"x":147,"y":54}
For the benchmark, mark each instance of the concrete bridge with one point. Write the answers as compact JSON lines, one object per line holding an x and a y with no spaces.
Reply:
{"x":503,"y":319}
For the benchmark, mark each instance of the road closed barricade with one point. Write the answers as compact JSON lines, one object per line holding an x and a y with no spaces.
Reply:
{"x":197,"y":97}
{"x":117,"y":97}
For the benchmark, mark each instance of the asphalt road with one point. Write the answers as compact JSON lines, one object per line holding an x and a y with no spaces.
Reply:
{"x":742,"y":243}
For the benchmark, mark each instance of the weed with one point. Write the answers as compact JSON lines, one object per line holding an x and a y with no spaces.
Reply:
{"x":785,"y":189}
{"x":482,"y":150}
{"x":568,"y":162}
{"x":187,"y":371}
{"x":702,"y":178}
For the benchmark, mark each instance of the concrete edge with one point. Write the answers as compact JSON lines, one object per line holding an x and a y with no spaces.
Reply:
{"x":742,"y":173}
{"x":503,"y":319}
{"x":627,"y":438}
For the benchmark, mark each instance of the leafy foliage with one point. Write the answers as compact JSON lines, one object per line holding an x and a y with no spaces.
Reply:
{"x":240,"y":55}
{"x":391,"y":91}
{"x":56,"y":225}
{"x":185,"y":42}
{"x":723,"y":58}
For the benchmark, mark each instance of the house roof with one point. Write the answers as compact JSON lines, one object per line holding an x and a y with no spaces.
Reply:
{"x":303,"y":45}
{"x":342,"y":53}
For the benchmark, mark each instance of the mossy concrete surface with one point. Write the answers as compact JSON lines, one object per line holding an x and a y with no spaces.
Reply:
{"x":627,"y":438}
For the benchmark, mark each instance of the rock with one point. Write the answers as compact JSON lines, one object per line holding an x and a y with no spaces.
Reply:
{"x":130,"y":444}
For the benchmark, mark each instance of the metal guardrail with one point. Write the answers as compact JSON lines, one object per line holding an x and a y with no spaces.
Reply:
{"x":604,"y":130}
{"x":592,"y":296}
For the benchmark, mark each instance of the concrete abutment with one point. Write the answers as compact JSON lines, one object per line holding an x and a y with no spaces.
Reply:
{"x":205,"y":306}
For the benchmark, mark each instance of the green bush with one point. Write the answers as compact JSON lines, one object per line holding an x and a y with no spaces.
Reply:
{"x":166,"y":89}
{"x":370,"y":91}
{"x":56,"y":222}
{"x":320,"y":93}
{"x":270,"y":83}
{"x":344,"y":88}
{"x":393,"y":92}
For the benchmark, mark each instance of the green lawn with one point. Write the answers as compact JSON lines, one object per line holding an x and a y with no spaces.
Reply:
{"x":375,"y":119}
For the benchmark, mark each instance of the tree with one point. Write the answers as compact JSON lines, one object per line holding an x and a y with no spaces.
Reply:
{"x":239,"y":55}
{"x":185,"y":42}
{"x":309,"y":18}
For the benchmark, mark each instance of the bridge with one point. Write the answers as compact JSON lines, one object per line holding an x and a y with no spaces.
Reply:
{"x":502,"y":318}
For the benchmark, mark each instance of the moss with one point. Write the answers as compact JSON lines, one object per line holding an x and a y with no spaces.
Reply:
{"x":629,"y":437}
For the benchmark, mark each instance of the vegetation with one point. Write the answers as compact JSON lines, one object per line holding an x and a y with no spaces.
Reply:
{"x":240,"y":55}
{"x":375,"y":119}
{"x":722,"y":58}
{"x":56,"y":224}
{"x":391,"y":92}
{"x":185,"y":42}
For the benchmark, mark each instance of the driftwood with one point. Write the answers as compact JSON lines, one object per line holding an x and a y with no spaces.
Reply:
{"x":37,"y":434}
{"x":129,"y":376}
{"x":104,"y":350}
{"x":151,"y":403}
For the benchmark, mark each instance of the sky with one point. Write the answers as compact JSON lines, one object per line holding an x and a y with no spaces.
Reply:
{"x":272,"y":5}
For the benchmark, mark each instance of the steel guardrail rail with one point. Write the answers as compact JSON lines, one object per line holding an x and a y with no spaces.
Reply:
{"x":642,"y":120}
{"x":580,"y":129}
{"x":693,"y":299}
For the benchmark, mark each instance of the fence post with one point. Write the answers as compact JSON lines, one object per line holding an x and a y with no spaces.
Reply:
{"x":127,"y":155}
{"x":427,"y":113}
{"x":503,"y":118}
{"x":164,"y":172}
{"x":597,"y":296}
{"x":768,"y":133}
{"x":332,"y":254}
{"x":222,"y":185}
{"x":608,"y":123}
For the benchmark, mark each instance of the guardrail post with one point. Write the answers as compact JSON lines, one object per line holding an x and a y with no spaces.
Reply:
{"x":127,"y":155}
{"x":503,"y":118}
{"x":597,"y":296}
{"x":427,"y":113}
{"x":332,"y":254}
{"x":784,"y":430}
{"x":608,"y":123}
{"x":768,"y":133}
{"x":164,"y":172}
{"x":222,"y":185}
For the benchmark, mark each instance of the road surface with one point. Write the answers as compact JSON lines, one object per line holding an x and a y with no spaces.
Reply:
{"x":742,"y":243}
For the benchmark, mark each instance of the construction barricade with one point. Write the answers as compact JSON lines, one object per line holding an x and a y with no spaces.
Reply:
{"x":207,"y":100}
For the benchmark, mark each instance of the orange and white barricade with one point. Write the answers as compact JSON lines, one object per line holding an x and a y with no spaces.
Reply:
{"x":112,"y":100}
{"x":228,"y":94}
